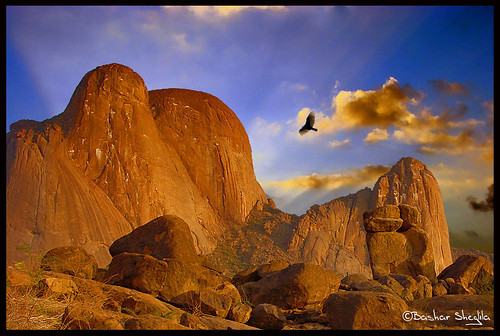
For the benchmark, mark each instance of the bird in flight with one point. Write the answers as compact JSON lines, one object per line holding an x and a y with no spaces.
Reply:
{"x":308,"y":125}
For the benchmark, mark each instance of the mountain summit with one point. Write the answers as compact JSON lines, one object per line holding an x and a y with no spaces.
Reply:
{"x":118,"y":157}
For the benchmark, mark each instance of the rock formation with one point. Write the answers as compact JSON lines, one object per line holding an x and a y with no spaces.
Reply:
{"x":407,"y":251}
{"x":410,"y":182}
{"x":120,"y":156}
{"x":332,"y":234}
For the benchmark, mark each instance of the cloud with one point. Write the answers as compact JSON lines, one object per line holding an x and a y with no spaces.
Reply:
{"x":356,"y":177}
{"x":340,"y":144}
{"x":293,"y":86}
{"x":450,"y":88}
{"x":213,"y":14}
{"x":261,"y":127}
{"x":381,"y":108}
{"x":376,"y":135}
{"x":485,"y":205}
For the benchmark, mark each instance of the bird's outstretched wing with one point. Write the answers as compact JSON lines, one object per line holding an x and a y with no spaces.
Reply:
{"x":303,"y":131}
{"x":310,"y":120}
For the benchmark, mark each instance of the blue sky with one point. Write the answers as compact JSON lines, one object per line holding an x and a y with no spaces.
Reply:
{"x":384,"y":82}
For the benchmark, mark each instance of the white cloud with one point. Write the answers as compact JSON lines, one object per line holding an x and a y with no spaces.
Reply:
{"x":261,"y":127}
{"x":339,"y":144}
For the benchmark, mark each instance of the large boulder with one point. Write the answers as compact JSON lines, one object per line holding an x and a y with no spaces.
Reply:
{"x":70,"y":260}
{"x":166,"y":279}
{"x":267,"y":316}
{"x":471,"y":271}
{"x":167,"y":236}
{"x":364,"y":310}
{"x":298,"y":286}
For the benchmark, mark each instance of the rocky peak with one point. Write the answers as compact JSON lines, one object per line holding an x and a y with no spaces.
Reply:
{"x":120,"y":156}
{"x":410,"y":182}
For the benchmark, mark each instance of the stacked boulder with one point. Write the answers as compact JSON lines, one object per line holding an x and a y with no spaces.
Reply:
{"x":396,"y":242}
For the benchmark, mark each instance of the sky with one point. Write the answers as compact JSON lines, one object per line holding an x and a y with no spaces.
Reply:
{"x":383,"y":82}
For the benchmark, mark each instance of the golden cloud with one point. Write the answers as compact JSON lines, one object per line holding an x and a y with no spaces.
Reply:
{"x":376,"y":135}
{"x":358,"y":176}
{"x":381,"y":108}
{"x":213,"y":12}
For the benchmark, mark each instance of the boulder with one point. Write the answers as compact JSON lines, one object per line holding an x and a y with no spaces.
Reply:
{"x":410,"y":216}
{"x":240,"y":312}
{"x":152,"y":322}
{"x":299,"y":285}
{"x":459,"y":288}
{"x":165,"y":279}
{"x":255,"y":273}
{"x":370,"y":285}
{"x":60,"y":289}
{"x":78,"y":316}
{"x":385,"y":211}
{"x":469,"y":270}
{"x":407,"y":287}
{"x":383,"y":224}
{"x":167,"y":236}
{"x":351,"y":278}
{"x":364,"y":310}
{"x":219,"y":323}
{"x":439,"y":289}
{"x":192,"y":321}
{"x":267,"y":316}
{"x":382,"y":219}
{"x":70,"y":260}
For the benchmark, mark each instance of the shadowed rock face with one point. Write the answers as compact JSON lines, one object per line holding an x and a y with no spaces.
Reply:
{"x":120,"y":156}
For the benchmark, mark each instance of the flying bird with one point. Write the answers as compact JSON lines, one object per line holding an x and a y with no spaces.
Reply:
{"x":308,"y":125}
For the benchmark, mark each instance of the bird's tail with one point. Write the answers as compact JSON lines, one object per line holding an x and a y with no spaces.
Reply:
{"x":314,"y":129}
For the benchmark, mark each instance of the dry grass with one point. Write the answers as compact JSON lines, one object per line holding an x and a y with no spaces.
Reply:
{"x":27,"y":310}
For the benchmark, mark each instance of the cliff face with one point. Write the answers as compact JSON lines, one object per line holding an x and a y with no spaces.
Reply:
{"x":333,"y":235}
{"x":120,"y":156}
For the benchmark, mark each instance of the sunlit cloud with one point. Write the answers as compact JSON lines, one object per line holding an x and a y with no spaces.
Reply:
{"x":340,"y":144}
{"x":215,"y":13}
{"x":376,"y":135}
{"x":381,"y":108}
{"x":356,"y":177}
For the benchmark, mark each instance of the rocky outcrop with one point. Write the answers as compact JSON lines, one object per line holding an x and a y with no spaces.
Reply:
{"x":332,"y":235}
{"x":410,"y":182}
{"x":120,"y":156}
{"x":407,"y":251}
{"x":470,"y":271}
